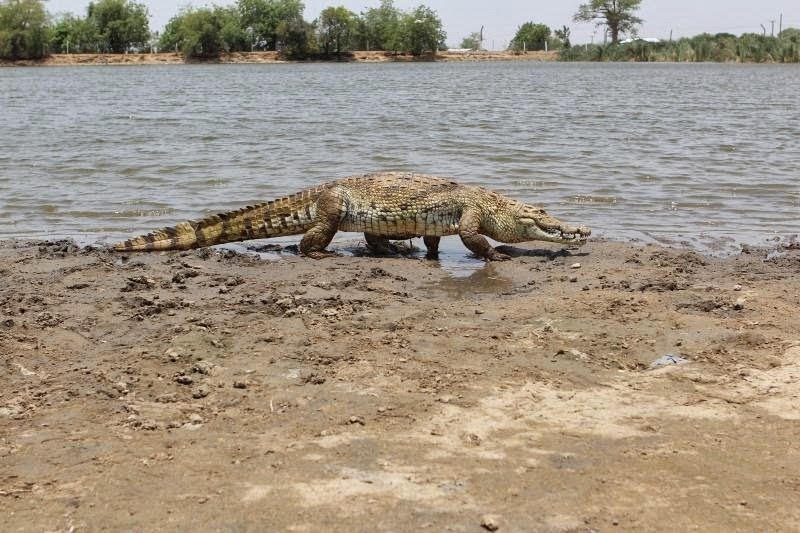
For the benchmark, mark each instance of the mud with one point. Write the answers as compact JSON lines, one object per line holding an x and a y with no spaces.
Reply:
{"x":214,"y":390}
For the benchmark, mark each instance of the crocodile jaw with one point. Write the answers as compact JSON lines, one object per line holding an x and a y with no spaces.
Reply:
{"x":551,"y":230}
{"x":565,"y":235}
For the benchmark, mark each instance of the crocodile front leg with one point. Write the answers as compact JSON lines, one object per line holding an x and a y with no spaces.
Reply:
{"x":316,"y":239}
{"x":432,"y":245}
{"x":469,"y":228}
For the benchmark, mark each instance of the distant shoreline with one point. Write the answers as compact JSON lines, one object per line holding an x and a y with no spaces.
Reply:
{"x":171,"y":58}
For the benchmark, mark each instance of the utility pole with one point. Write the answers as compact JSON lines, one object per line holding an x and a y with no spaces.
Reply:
{"x":670,"y":35}
{"x":780,"y":25}
{"x":480,"y":43}
{"x":772,"y":31}
{"x":763,"y":30}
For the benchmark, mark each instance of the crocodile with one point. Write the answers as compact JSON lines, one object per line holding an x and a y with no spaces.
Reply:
{"x":384,"y":206}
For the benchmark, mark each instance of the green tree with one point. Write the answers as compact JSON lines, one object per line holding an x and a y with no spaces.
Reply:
{"x":421,"y":31}
{"x":530,"y":36}
{"x":790,"y":34}
{"x":297,"y":37}
{"x":23,"y":29}
{"x":617,"y":15}
{"x":266,"y":16}
{"x":337,"y":26}
{"x":73,"y":34}
{"x":205,"y":32}
{"x":200,"y":34}
{"x":381,"y":27}
{"x":563,"y":34}
{"x":472,"y":41}
{"x":121,"y":24}
{"x":234,"y":35}
{"x":170,"y":37}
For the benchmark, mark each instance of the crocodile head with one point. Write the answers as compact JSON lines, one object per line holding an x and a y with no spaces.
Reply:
{"x":532,"y":223}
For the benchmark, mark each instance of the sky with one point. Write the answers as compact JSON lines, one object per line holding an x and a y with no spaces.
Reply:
{"x":501,"y":18}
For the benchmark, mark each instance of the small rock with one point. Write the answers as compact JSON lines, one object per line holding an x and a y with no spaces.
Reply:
{"x":738,"y":305}
{"x":169,"y":397}
{"x":313,"y":379}
{"x":479,"y":311}
{"x":356,"y":420}
{"x":200,"y":392}
{"x":668,"y":360}
{"x":239,"y":384}
{"x":573,"y":279}
{"x":490,"y":522}
{"x":472,"y":439}
{"x":195,"y":419}
{"x":149,"y":425}
{"x":203,"y":367}
{"x":737,"y":288}
{"x":184,"y":380}
{"x":575,"y":266}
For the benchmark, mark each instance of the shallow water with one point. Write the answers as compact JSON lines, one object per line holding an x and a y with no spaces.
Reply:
{"x":706,"y":155}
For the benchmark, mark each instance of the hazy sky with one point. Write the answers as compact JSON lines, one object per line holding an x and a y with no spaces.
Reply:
{"x":502,"y":17}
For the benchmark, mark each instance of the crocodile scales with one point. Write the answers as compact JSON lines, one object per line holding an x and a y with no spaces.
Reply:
{"x":385,"y":206}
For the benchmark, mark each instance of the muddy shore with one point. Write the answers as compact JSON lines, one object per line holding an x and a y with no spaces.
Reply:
{"x":60,"y":60}
{"x":214,"y":390}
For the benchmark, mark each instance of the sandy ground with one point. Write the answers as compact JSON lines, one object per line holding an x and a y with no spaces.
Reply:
{"x":218,"y":391}
{"x":57,"y":60}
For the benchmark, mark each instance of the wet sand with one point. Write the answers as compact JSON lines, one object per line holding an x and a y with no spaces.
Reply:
{"x":214,"y":390}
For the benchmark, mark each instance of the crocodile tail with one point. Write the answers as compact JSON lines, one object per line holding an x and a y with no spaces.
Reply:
{"x":291,"y":215}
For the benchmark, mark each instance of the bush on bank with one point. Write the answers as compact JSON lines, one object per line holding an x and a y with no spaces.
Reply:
{"x":722,"y":47}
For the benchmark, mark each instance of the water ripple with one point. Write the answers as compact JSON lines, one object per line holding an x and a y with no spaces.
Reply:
{"x":662,"y":153}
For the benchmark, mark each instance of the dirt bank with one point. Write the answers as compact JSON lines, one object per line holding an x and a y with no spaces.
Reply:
{"x":212,"y":390}
{"x":56,"y":60}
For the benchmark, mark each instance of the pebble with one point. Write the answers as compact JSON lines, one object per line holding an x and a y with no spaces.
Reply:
{"x":239,"y":384}
{"x":203,"y":367}
{"x":490,"y":522}
{"x":200,"y":392}
{"x":149,"y":425}
{"x":737,"y":288}
{"x":575,"y":266}
{"x":184,"y":380}
{"x":356,"y":420}
{"x":739,"y":304}
{"x":194,"y":418}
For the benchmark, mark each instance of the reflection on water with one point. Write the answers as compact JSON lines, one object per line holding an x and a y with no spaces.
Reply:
{"x":700,"y":154}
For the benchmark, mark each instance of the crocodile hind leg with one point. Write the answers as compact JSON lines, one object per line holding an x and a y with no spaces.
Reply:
{"x":432,"y":244}
{"x":317,"y":238}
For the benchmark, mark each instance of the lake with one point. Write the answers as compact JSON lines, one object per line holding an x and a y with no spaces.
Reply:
{"x":702,"y":154}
